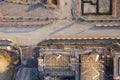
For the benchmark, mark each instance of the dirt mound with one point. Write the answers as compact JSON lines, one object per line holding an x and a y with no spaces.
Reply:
{"x":5,"y":70}
{"x":4,"y":62}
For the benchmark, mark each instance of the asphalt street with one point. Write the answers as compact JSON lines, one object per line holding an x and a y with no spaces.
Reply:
{"x":59,"y":29}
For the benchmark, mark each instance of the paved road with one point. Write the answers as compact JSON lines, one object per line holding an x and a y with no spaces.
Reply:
{"x":60,"y":29}
{"x":30,"y":36}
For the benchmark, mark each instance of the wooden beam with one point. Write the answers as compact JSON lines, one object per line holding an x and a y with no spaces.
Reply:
{"x":114,"y":8}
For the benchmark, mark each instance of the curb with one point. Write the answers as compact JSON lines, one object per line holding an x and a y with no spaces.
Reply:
{"x":91,"y":38}
{"x":107,"y":25}
{"x":23,"y":25}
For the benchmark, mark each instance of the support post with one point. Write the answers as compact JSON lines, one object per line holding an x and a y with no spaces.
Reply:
{"x":114,"y":8}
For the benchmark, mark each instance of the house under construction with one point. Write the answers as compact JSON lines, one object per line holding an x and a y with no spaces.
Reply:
{"x":76,"y":59}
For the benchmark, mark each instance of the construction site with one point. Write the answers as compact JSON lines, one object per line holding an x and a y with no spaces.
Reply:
{"x":60,"y":39}
{"x":78,"y":59}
